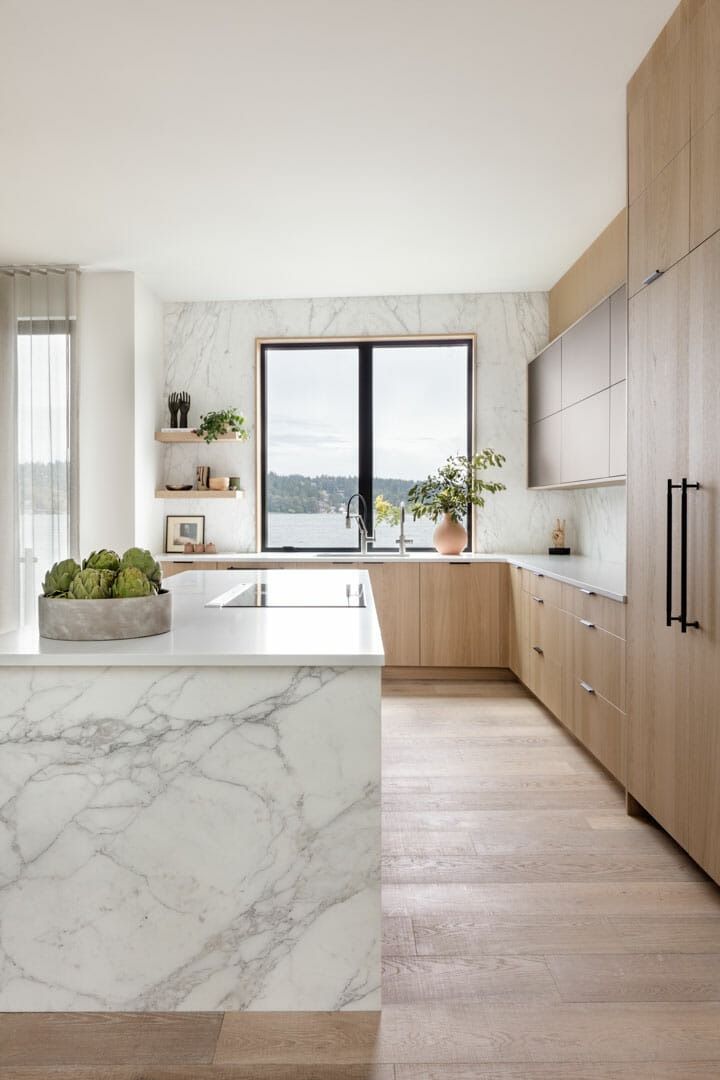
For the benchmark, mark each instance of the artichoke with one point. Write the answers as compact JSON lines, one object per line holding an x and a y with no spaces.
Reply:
{"x":142,"y":560}
{"x":92,"y":585}
{"x":132,"y":582}
{"x":59,"y":577}
{"x":104,"y":559}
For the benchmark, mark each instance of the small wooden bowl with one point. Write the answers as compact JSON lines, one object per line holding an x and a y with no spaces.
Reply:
{"x":219,"y":483}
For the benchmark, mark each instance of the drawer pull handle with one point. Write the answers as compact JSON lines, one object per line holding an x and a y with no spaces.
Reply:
{"x":587,"y":687}
{"x":588,"y":592}
{"x":538,"y":574}
{"x":538,"y":599}
{"x":653,"y":277}
{"x":538,"y":650}
{"x":590,"y":625}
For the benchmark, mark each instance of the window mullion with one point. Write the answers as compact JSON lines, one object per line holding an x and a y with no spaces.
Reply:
{"x":365,"y":429}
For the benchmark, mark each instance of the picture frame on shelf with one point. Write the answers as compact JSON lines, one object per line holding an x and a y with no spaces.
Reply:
{"x":182,"y":529}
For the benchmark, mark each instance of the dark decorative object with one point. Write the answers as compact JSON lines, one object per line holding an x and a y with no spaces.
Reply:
{"x":558,"y":551}
{"x":178,"y":487}
{"x":182,"y":529}
{"x":179,"y":402}
{"x":202,"y":475}
{"x":558,"y":539}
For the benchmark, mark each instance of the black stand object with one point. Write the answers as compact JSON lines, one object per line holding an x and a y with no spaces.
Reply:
{"x":558,"y":551}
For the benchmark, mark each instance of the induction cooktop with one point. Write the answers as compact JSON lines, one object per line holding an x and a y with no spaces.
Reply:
{"x":278,"y":594}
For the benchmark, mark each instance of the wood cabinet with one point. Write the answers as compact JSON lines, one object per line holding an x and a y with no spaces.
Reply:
{"x":518,"y":624}
{"x":657,"y":656}
{"x":544,"y":385}
{"x":659,"y":222}
{"x":704,"y":38}
{"x":463,"y":614}
{"x":705,"y":181}
{"x":396,"y":589}
{"x":703,"y":645}
{"x":599,"y":726}
{"x":544,"y":450}
{"x":169,"y":568}
{"x":586,"y":356}
{"x":618,"y":335}
{"x":618,"y":429}
{"x":586,"y":440}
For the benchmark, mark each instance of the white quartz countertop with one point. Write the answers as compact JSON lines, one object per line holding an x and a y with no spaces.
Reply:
{"x":202,"y":636}
{"x":604,"y":578}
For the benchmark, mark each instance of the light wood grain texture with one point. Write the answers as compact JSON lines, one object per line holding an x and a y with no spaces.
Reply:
{"x":546,"y":588}
{"x":607,"y":614}
{"x":597,"y":272}
{"x":163,"y":493}
{"x":187,"y":435}
{"x":487,"y":978}
{"x":441,"y":675}
{"x":659,"y":223}
{"x":657,"y":657}
{"x":169,"y":568}
{"x":644,"y":977}
{"x":617,"y":865}
{"x":659,"y":123}
{"x":205,"y":1072}
{"x":559,"y":1070}
{"x":704,"y":557}
{"x":518,"y":624}
{"x":705,"y":180}
{"x":660,"y":52}
{"x":44,"y":1039}
{"x":396,"y":590}
{"x":546,"y":628}
{"x":601,"y":727}
{"x":546,"y":680}
{"x":464,"y":613}
{"x":704,"y":33}
{"x":398,"y":938}
{"x":598,"y":659}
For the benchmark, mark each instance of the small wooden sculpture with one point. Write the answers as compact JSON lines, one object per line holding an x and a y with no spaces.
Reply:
{"x":558,"y":533}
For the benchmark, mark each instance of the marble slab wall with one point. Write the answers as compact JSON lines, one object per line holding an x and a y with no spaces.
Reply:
{"x":193,"y":838}
{"x":210,"y":351}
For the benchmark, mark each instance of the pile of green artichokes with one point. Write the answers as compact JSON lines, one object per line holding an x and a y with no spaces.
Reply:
{"x":104,"y":575}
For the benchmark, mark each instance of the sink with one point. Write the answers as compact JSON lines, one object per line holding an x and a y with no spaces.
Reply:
{"x":372,"y":556}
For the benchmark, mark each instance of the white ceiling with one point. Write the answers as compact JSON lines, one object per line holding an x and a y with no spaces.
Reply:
{"x":274,"y":148}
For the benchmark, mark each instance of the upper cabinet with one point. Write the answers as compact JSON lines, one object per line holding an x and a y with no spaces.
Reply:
{"x":576,"y":423}
{"x":544,"y":389}
{"x":704,"y":35}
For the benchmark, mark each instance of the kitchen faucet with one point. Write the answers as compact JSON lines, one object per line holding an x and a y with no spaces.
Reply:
{"x":360,"y":518}
{"x":403,"y":540}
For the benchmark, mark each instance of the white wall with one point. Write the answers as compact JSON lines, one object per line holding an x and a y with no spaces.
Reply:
{"x":119,"y":403}
{"x":210,"y":351}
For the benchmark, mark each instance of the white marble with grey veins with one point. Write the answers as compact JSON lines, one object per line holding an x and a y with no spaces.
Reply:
{"x":189,"y":838}
{"x":210,"y":351}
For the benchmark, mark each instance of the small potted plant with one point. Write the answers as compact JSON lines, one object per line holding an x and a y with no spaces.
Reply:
{"x":446,"y":495}
{"x":224,"y":422}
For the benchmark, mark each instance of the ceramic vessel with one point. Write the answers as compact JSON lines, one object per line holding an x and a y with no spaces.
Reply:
{"x":104,"y":620}
{"x":219,"y":483}
{"x":450,"y":537}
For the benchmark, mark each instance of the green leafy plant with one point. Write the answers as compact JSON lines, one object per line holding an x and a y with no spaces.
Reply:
{"x":92,"y":585}
{"x":104,"y":559}
{"x":59,"y":577}
{"x":386,"y":513}
{"x":456,"y":485}
{"x":214,"y":424}
{"x":131,"y":582}
{"x":141,"y":559}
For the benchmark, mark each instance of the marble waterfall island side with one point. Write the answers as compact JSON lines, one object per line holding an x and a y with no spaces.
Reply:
{"x":192,"y":821}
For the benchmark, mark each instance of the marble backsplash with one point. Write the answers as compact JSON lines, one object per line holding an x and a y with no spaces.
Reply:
{"x":210,"y":351}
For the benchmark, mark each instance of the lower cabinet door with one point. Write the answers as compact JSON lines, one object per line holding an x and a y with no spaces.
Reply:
{"x":396,"y":590}
{"x":600,"y":727}
{"x":546,"y":680}
{"x":463,"y":615}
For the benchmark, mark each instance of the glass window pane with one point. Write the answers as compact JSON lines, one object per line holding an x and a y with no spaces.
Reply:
{"x":311,"y":435}
{"x":420,"y":419}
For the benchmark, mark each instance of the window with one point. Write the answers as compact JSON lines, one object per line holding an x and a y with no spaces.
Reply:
{"x":356,"y":416}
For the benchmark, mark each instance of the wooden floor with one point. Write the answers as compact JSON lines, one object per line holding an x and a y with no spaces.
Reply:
{"x":533,"y":931}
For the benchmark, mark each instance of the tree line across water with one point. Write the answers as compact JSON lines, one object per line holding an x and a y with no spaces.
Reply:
{"x":298,"y":494}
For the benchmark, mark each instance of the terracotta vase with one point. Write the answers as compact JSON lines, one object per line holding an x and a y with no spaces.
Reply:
{"x":450,"y":537}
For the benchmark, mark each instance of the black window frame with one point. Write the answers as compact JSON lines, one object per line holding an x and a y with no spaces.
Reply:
{"x":365,"y":348}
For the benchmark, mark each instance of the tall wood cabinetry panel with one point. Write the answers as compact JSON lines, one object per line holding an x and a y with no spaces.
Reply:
{"x":704,"y":557}
{"x":518,"y":621}
{"x":396,"y":589}
{"x":659,"y":222}
{"x":463,"y":615}
{"x":657,"y":657}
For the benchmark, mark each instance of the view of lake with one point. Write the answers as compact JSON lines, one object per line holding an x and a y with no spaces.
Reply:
{"x":328,"y":531}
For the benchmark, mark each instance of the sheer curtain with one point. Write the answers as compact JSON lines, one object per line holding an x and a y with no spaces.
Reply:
{"x":37,"y":332}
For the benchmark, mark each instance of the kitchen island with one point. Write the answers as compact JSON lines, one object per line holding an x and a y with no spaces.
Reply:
{"x":192,"y":821}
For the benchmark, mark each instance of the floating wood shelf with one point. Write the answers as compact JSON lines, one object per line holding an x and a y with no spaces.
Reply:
{"x":187,"y":435}
{"x":163,"y":493}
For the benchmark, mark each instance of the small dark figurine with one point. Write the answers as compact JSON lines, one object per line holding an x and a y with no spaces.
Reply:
{"x":179,"y":403}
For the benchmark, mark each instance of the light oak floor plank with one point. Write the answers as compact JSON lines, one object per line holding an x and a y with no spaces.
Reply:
{"x":520,"y":867}
{"x":482,"y":979}
{"x":558,"y":1070}
{"x":638,"y":977}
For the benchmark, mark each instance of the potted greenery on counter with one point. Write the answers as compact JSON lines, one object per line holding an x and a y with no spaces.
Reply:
{"x":133,"y":602}
{"x":446,"y":495}
{"x":224,"y":422}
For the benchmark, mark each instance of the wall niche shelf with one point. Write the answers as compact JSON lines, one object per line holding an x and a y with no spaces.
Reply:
{"x":187,"y":435}
{"x":163,"y":493}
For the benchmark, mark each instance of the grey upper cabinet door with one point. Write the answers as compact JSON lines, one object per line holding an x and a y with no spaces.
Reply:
{"x":544,"y":387}
{"x":544,"y":448}
{"x":586,"y":440}
{"x":618,"y":429}
{"x":618,"y":335}
{"x":586,"y":356}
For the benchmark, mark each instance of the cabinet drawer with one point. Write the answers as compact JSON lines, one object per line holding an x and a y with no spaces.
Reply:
{"x":659,"y":222}
{"x":600,"y":727}
{"x":170,"y":568}
{"x":545,"y":628}
{"x":586,"y":604}
{"x":545,"y":680}
{"x":705,"y":181}
{"x":598,"y":659}
{"x":547,"y":589}
{"x":544,"y":450}
{"x":586,"y":439}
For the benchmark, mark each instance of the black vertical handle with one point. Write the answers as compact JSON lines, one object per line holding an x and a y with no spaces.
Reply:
{"x":668,"y":554}
{"x":684,"y":624}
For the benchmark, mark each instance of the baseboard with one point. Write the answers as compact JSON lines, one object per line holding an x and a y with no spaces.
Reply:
{"x":455,"y":674}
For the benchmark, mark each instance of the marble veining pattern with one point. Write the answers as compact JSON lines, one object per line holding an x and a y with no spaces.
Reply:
{"x":210,"y":351}
{"x":189,"y":839}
